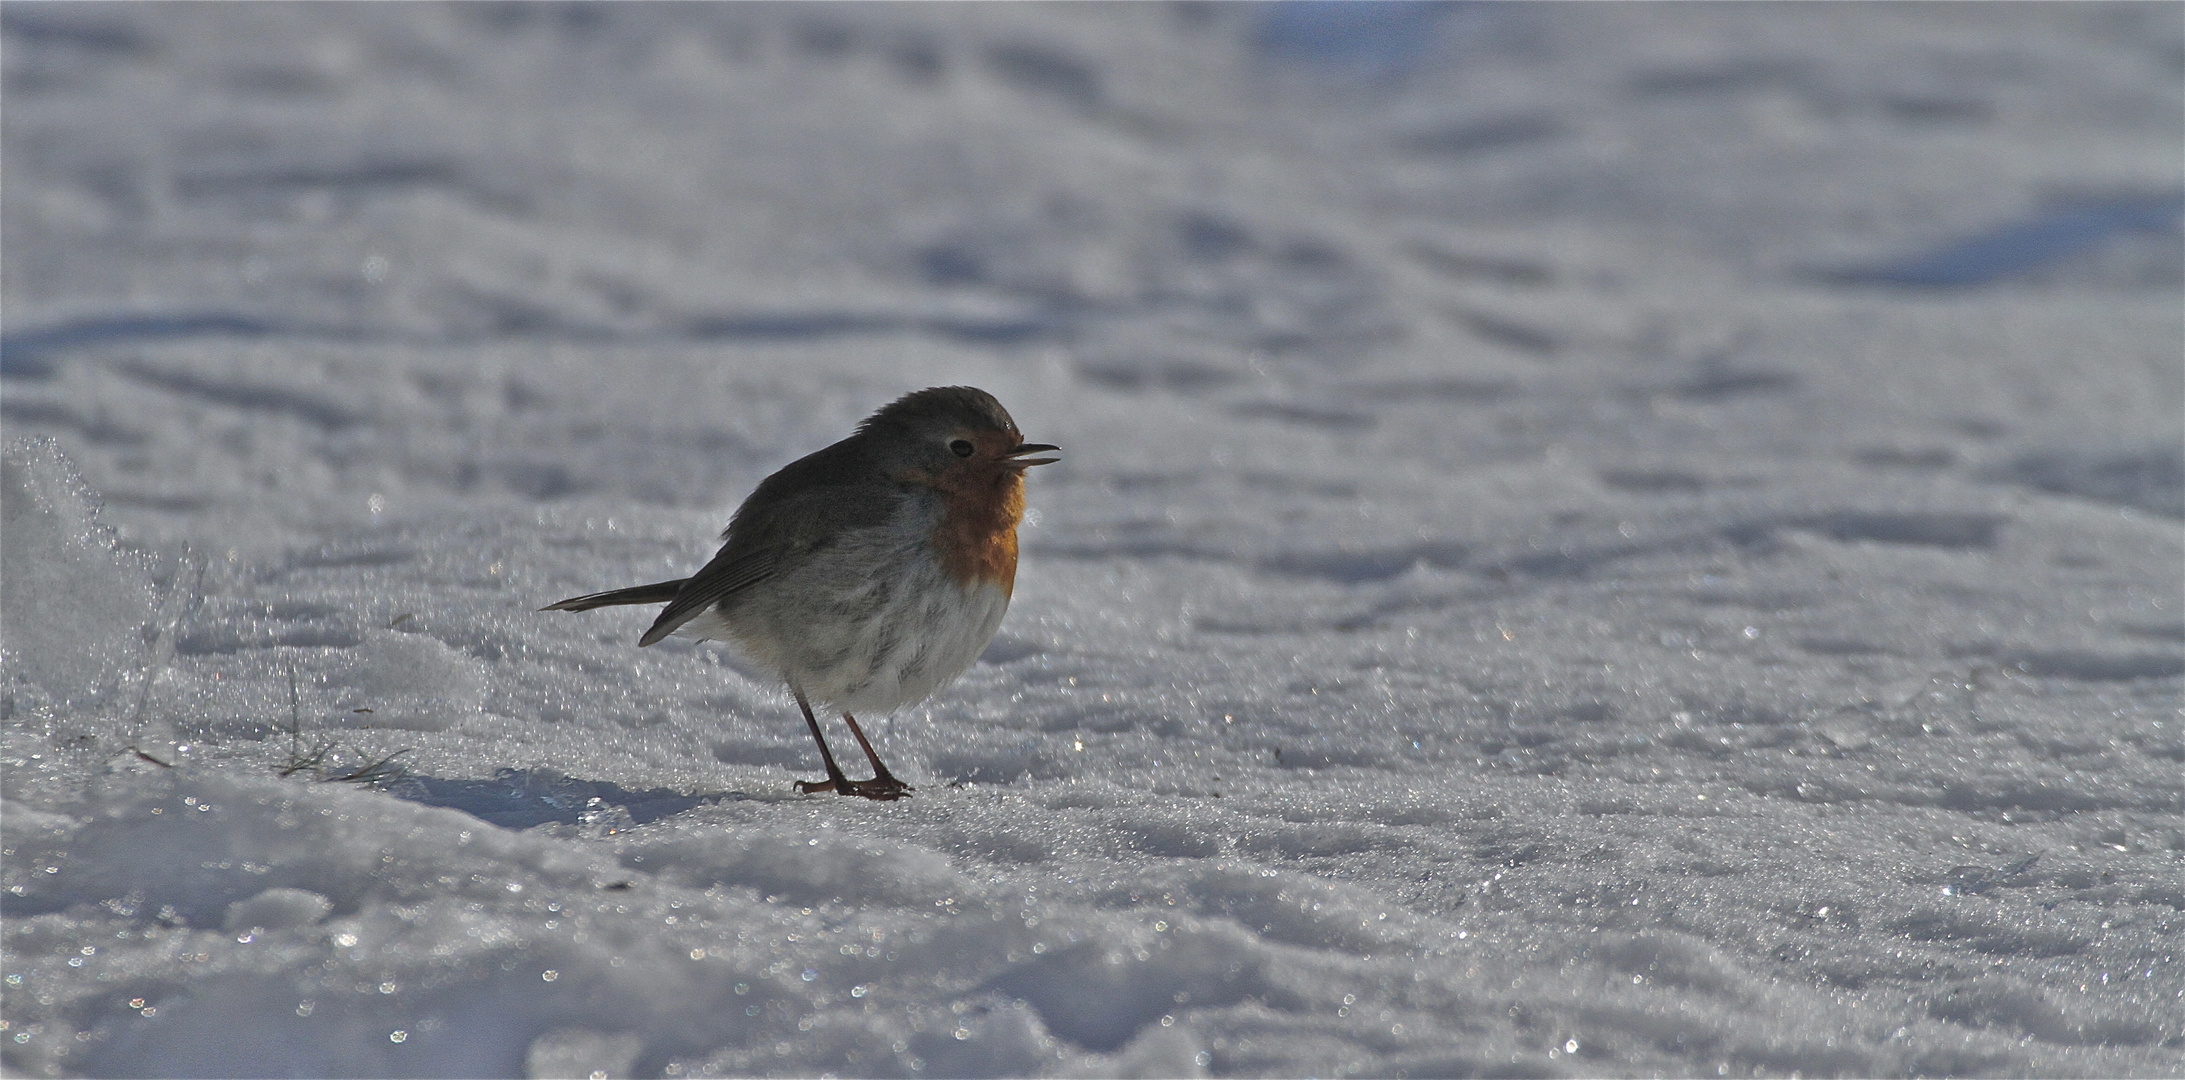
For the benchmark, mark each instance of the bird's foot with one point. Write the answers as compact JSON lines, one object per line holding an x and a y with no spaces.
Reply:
{"x":879,"y":788}
{"x":883,"y":788}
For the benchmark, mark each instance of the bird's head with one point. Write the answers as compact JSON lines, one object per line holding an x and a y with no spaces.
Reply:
{"x":950,"y":437}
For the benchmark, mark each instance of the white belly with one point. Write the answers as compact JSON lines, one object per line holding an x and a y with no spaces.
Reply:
{"x":862,"y":642}
{"x":881,"y":677}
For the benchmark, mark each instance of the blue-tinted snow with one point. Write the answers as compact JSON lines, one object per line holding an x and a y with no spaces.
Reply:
{"x":1507,"y":607}
{"x":2015,"y":250}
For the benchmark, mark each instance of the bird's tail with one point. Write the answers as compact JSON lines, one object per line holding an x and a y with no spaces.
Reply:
{"x":659,"y":592}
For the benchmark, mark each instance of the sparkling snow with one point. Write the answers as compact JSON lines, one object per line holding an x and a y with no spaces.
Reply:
{"x":1591,"y":539}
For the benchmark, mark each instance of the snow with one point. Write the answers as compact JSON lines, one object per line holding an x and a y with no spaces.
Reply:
{"x":1592,"y":540}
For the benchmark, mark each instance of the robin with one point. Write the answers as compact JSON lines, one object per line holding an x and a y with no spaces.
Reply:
{"x":869,"y":574}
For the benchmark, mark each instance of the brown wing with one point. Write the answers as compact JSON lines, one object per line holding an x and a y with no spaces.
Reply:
{"x":795,"y":512}
{"x":722,"y":578}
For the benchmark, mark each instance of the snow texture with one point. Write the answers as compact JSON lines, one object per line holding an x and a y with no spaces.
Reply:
{"x":1592,"y":540}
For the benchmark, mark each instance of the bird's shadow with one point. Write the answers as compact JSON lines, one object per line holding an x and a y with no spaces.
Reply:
{"x":524,"y":798}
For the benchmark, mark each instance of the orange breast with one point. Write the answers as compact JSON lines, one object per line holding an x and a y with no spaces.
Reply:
{"x":977,"y":536}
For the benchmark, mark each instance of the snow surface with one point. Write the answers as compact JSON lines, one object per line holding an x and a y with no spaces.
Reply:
{"x":1592,"y":540}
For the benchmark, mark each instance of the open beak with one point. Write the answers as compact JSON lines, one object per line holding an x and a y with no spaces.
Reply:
{"x":1017,"y":458}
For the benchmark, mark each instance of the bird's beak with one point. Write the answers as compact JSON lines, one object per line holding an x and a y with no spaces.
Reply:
{"x":1017,"y":458}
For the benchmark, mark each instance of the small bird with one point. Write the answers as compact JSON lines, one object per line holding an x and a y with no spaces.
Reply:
{"x":869,"y":574}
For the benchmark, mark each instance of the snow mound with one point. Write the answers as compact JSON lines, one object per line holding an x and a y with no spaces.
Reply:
{"x":79,"y":610}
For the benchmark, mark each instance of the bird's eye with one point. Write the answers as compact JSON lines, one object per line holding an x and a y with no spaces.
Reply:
{"x":962,"y":447}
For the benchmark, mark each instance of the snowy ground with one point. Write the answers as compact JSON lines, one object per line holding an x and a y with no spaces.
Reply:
{"x":1593,"y":539}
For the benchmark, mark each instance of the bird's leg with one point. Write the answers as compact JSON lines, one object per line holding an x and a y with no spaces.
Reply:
{"x":883,"y":784}
{"x":835,"y":781}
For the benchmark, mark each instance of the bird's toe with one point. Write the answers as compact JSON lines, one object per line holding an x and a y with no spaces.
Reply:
{"x":879,"y":789}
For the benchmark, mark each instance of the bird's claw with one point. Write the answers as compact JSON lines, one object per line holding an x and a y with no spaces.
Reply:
{"x":879,"y":788}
